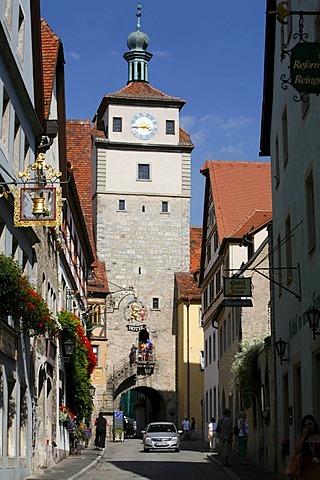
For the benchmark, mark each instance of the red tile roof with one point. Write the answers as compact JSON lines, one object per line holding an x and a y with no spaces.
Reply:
{"x":258,"y":219}
{"x":187,"y":286}
{"x":139,"y":93}
{"x":50,"y":43}
{"x":142,"y":90}
{"x":99,"y":283}
{"x":239,"y":189}
{"x":79,"y":158}
{"x":184,"y":138}
{"x":195,"y":248}
{"x":186,"y":282}
{"x":96,"y":133}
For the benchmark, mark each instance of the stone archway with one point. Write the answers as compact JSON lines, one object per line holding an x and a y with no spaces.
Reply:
{"x":149,"y":406}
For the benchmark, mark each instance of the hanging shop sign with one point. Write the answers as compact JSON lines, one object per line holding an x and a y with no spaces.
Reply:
{"x":237,"y":287}
{"x":37,"y":206}
{"x":39,"y":201}
{"x":305,"y":67}
{"x":135,"y":314}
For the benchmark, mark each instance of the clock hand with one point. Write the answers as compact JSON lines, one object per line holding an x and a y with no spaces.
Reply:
{"x":144,"y":126}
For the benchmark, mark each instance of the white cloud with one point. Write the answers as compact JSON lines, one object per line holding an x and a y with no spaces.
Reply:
{"x":231,"y":150}
{"x":199,"y":138}
{"x":236,"y":123}
{"x":233,"y":123}
{"x":161,"y":53}
{"x":187,"y":122}
{"x":74,"y":55}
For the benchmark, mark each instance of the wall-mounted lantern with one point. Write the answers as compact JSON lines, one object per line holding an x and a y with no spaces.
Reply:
{"x":92,"y":390}
{"x":148,"y":368}
{"x":68,"y":347}
{"x":313,"y":316}
{"x":280,"y":347}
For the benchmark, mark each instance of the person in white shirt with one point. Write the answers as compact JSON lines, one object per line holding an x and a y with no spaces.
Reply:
{"x":212,"y":435}
{"x":186,"y":428}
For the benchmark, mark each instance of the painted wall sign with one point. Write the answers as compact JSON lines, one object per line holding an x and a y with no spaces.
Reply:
{"x":305,"y":67}
{"x":237,"y":287}
{"x":235,"y":302}
{"x":136,"y":328}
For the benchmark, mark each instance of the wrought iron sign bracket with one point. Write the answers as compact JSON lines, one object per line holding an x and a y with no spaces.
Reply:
{"x":289,"y":274}
{"x":282,"y":12}
{"x":114,"y":304}
{"x":275,"y":275}
{"x":304,"y":56}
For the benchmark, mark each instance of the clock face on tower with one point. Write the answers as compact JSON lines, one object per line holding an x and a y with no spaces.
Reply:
{"x":144,"y":126}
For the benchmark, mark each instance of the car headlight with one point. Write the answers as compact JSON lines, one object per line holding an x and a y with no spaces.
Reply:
{"x":148,"y":439}
{"x":174,"y":438}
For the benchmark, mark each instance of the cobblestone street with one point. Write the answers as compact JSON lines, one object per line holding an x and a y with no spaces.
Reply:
{"x":125,"y":461}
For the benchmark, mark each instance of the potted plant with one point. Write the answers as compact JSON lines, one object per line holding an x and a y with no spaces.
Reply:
{"x":118,"y":434}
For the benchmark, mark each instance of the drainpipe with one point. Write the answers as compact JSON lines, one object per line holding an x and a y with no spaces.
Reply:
{"x":188,"y":358}
{"x":273,"y":350}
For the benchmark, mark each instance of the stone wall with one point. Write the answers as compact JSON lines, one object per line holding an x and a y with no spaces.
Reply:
{"x":143,"y":248}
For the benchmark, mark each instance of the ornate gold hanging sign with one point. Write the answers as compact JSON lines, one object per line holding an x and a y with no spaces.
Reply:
{"x":37,"y":204}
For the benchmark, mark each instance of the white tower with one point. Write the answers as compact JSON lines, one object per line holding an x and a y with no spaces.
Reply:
{"x":141,"y":192}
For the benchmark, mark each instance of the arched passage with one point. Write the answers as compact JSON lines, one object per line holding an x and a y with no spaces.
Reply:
{"x":143,"y":404}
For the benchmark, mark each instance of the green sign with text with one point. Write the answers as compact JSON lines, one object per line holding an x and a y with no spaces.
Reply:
{"x":305,"y":67}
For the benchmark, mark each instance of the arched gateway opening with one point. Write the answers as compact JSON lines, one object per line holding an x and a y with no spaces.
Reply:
{"x":142,"y":404}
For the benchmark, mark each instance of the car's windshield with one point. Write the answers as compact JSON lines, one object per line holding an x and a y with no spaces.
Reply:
{"x":161,"y":427}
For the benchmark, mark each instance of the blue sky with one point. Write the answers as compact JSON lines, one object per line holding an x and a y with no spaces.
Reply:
{"x":210,"y":53}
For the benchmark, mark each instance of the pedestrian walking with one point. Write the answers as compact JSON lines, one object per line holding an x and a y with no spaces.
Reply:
{"x":212,"y":435}
{"x":193,"y":429}
{"x":225,"y":436}
{"x":101,"y":431}
{"x":243,"y":432}
{"x":307,"y":449}
{"x":186,"y":428}
{"x":132,"y":355}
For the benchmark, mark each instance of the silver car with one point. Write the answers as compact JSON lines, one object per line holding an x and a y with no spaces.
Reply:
{"x":161,"y":436}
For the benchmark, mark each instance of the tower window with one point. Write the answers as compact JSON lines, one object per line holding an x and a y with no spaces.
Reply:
{"x":122,"y":205}
{"x":170,"y":127}
{"x":143,"y":171}
{"x":165,"y":207}
{"x":117,"y":124}
{"x":155,"y":303}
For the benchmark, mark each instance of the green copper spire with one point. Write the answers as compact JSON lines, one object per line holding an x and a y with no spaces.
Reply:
{"x":138,"y":57}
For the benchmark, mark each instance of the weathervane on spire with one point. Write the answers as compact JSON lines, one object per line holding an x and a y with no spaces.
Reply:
{"x":139,"y":16}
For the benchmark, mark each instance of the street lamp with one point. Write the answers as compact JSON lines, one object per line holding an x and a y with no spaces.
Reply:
{"x":92,"y":390}
{"x":313,"y":316}
{"x":68,"y":346}
{"x":280,"y":346}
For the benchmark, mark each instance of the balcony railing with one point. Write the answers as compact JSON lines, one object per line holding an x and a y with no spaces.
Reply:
{"x":123,"y":370}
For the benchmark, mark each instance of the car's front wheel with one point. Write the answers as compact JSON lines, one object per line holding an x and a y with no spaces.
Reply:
{"x":146,"y":449}
{"x":177,"y":450}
